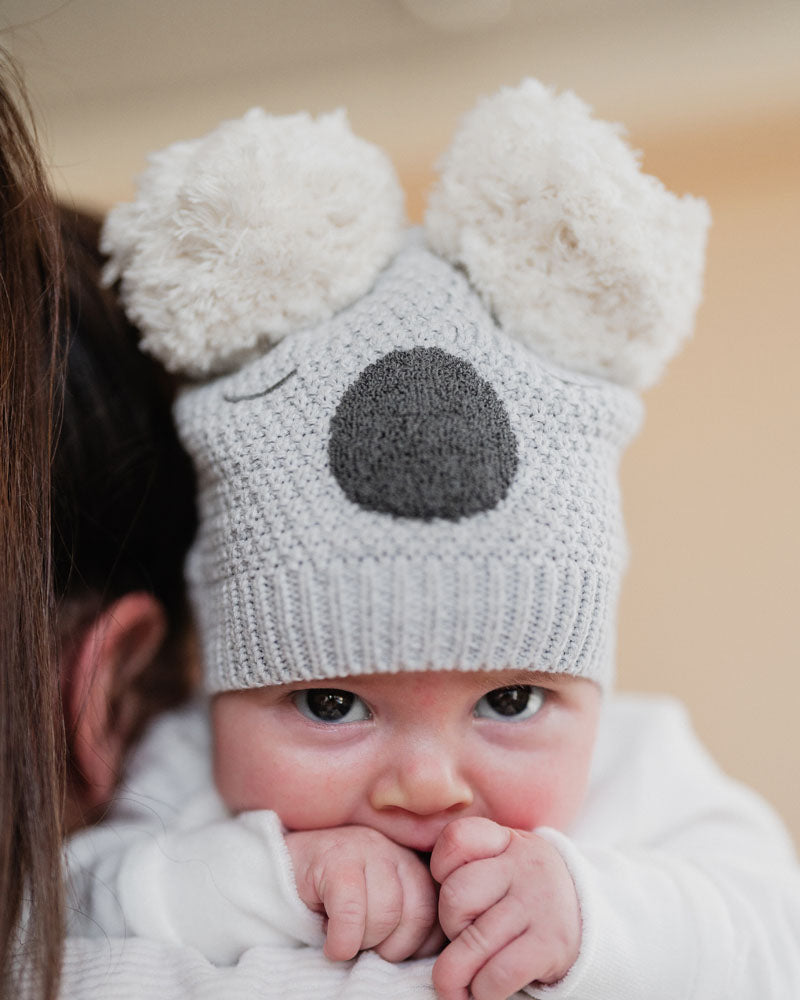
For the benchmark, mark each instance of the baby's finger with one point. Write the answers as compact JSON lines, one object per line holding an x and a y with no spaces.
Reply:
{"x":385,"y":905}
{"x":511,"y":969}
{"x":418,"y":915}
{"x":432,"y":944}
{"x":465,"y":840}
{"x":470,"y":891}
{"x":345,"y":902}
{"x":459,"y":963}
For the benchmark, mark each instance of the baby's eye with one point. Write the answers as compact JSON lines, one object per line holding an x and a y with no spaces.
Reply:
{"x":330,"y":705}
{"x":511,"y":704}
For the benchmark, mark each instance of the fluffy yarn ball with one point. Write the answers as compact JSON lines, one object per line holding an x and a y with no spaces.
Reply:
{"x":578,"y":253}
{"x":266,"y":225}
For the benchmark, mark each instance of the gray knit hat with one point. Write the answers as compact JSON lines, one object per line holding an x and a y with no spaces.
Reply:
{"x":407,"y":442}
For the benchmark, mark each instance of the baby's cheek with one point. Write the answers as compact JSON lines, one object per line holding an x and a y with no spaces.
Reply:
{"x":552,"y":797}
{"x":241,"y":786}
{"x":534,"y":807}
{"x":245,"y":771}
{"x":300,"y":795}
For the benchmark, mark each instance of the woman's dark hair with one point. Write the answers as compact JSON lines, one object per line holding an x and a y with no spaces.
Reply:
{"x":96,"y":499}
{"x":122,"y":499}
{"x":31,"y":726}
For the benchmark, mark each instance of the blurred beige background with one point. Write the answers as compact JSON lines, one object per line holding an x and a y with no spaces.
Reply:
{"x":710,"y":91}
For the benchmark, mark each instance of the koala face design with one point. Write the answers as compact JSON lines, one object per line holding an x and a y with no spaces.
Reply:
{"x":407,"y":444}
{"x":407,"y":448}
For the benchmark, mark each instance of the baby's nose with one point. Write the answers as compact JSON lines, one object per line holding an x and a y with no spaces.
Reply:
{"x":421,"y":783}
{"x":421,"y":434}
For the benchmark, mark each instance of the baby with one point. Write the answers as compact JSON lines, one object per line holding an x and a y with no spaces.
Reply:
{"x":407,"y":574}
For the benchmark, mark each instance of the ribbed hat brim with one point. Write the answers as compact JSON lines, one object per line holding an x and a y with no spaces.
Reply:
{"x":369,"y":617}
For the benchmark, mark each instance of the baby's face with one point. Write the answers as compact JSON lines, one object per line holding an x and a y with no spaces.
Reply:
{"x":407,"y":753}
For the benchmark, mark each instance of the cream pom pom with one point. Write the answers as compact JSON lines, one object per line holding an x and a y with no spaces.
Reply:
{"x":579,"y":254}
{"x":266,"y":225}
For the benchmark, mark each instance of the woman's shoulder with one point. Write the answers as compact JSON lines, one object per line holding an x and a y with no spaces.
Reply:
{"x":172,"y":762}
{"x":637,"y":735}
{"x":627,"y":715}
{"x":652,"y":777}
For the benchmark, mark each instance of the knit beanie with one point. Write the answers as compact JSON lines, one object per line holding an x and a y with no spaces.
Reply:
{"x":407,"y":441}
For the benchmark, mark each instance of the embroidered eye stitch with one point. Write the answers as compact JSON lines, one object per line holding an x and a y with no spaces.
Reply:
{"x":263,"y":392}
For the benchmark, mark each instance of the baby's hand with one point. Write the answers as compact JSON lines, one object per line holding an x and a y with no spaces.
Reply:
{"x":509,"y":907}
{"x":374,"y":893}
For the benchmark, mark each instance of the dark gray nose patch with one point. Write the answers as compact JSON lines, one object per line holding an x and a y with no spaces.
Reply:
{"x":420,"y":434}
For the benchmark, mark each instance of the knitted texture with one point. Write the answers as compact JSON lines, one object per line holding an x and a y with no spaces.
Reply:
{"x":400,"y":474}
{"x":576,"y":251}
{"x":238,"y":237}
{"x":299,"y":573}
{"x":420,"y":434}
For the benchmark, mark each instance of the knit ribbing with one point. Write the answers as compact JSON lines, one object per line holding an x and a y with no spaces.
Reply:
{"x":138,"y":969}
{"x":306,"y":623}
